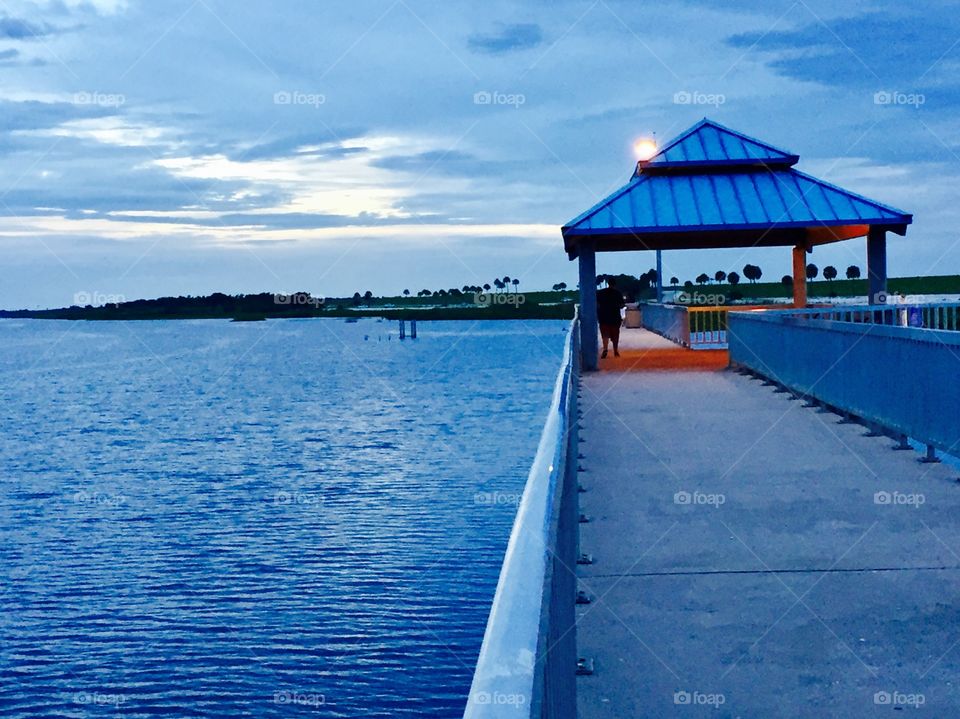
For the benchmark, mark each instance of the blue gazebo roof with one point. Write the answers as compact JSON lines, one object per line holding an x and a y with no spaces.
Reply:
{"x":713,"y":187}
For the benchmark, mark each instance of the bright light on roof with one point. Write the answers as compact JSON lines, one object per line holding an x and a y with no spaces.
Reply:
{"x":645,"y":148}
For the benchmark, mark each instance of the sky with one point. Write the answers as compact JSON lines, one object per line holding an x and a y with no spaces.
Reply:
{"x":192,"y":146}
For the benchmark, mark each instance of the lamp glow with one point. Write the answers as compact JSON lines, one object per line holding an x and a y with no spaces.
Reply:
{"x":644,"y":149}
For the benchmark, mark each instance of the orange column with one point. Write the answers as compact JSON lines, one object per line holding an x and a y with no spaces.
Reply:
{"x":799,"y":276}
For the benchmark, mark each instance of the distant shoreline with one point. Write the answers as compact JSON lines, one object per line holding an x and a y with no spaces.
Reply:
{"x":546,"y":305}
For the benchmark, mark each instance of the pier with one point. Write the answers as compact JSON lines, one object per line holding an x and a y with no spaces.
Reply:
{"x":746,"y":514}
{"x":757,"y":555}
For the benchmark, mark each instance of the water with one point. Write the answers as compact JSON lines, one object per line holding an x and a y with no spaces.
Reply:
{"x":257,"y":519}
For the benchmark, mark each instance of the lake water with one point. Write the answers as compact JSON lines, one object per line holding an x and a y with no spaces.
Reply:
{"x":283,"y":518}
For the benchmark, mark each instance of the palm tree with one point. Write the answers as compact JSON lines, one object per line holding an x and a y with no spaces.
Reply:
{"x":506,"y":281}
{"x":674,"y":281}
{"x":516,"y":285}
{"x":498,"y":283}
{"x":829,"y":273}
{"x":853,"y":272}
{"x":486,"y":286}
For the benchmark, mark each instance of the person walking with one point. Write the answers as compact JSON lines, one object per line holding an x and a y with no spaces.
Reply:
{"x":609,"y":304}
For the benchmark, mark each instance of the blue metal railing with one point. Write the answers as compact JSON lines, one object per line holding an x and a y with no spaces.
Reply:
{"x":669,"y":321}
{"x":695,"y":327}
{"x":934,"y":316}
{"x":862,"y":361}
{"x":527,"y":662}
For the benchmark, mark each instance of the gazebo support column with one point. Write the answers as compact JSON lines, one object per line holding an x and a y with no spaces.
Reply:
{"x":660,"y":276}
{"x":799,"y":276}
{"x":589,"y":346}
{"x":877,"y":266}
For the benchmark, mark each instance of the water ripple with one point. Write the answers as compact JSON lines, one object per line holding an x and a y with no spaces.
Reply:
{"x":206,"y":519}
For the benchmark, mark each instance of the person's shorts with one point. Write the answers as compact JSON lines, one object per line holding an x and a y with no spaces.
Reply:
{"x":610,"y":332}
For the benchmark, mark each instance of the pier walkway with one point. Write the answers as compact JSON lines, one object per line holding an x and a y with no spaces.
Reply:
{"x":754,"y":558}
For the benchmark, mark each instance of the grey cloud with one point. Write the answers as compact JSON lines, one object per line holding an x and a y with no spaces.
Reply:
{"x":508,"y":38}
{"x":13,"y":28}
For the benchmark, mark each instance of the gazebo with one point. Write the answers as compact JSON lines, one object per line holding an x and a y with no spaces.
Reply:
{"x":711,"y":188}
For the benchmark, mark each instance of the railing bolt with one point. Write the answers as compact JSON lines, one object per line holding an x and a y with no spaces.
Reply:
{"x":583,"y":597}
{"x":903,"y":444}
{"x":931,"y":456}
{"x":581,"y":488}
{"x":585,"y":559}
{"x":580,"y":456}
{"x":580,"y":468}
{"x":584,"y":667}
{"x":584,"y":519}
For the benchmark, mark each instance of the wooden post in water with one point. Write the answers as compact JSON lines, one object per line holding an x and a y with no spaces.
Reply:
{"x":413,"y":329}
{"x":403,"y":330}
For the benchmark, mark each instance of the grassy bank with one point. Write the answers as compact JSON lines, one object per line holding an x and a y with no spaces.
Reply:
{"x":502,"y":306}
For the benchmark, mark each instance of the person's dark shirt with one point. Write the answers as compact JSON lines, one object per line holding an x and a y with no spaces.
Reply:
{"x":609,"y":304}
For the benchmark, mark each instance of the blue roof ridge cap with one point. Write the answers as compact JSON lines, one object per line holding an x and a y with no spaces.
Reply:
{"x":652,"y":162}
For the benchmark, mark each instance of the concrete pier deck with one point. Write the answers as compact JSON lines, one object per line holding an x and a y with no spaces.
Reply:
{"x":642,"y":350}
{"x":754,"y":558}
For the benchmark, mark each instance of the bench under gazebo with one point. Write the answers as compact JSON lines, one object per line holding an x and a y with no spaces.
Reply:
{"x":716,"y":188}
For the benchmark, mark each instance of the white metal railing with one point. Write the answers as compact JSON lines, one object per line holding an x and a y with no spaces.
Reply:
{"x":527,"y":662}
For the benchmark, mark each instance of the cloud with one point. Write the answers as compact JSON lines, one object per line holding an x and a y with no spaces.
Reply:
{"x":508,"y":38}
{"x":12,"y":28}
{"x":871,"y":50}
